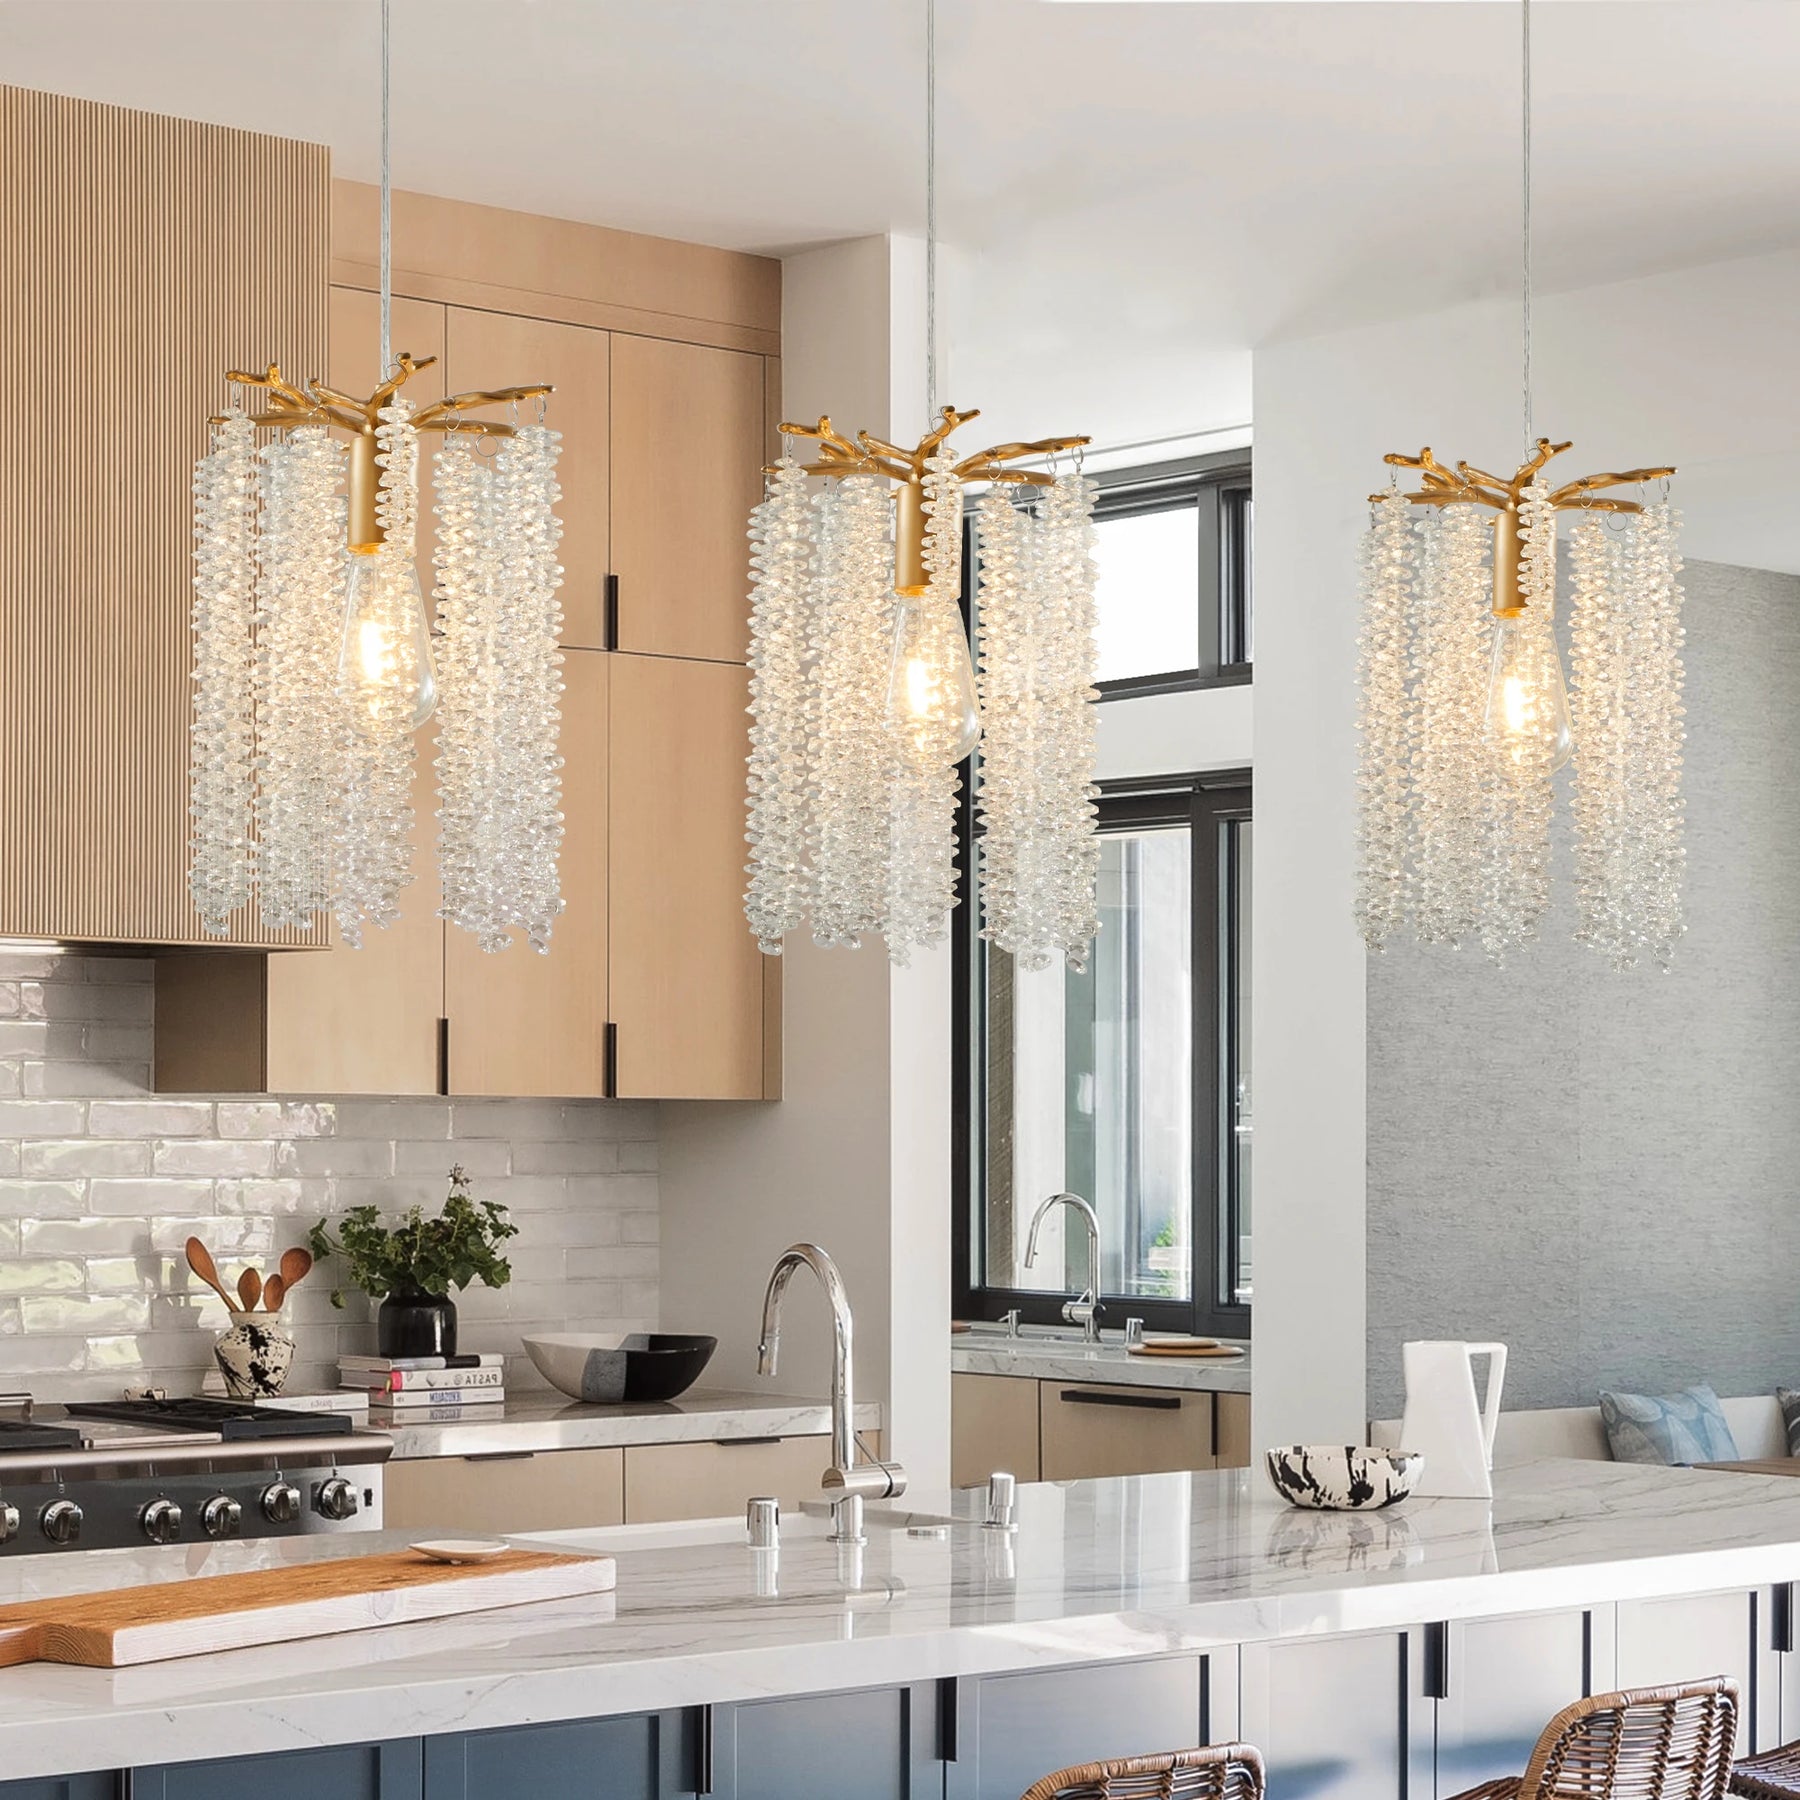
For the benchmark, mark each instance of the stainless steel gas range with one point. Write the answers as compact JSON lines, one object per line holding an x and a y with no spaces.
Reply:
{"x":97,"y":1475}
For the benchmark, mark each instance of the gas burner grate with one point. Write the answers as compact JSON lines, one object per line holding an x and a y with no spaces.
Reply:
{"x":27,"y":1434}
{"x":234,"y":1420}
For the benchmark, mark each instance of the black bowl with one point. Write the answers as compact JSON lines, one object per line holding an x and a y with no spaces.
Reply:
{"x":606,"y":1368}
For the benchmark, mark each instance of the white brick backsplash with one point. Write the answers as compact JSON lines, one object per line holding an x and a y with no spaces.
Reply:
{"x":82,"y":1156}
{"x":103,"y":1181}
{"x":150,"y":1118}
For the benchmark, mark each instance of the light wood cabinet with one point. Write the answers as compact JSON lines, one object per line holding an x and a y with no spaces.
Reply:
{"x":686,"y":976}
{"x":993,"y":1426}
{"x":689,"y":438}
{"x":557,"y":1490}
{"x":1088,"y":1430}
{"x":524,"y":1023}
{"x":491,"y":349}
{"x":714,"y":1480}
{"x":1231,"y":1430}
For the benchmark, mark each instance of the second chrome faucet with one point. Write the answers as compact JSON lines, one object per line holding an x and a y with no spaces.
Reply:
{"x":1086,"y":1310}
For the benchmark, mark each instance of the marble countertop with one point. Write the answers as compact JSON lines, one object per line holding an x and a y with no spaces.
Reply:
{"x":1069,"y":1359}
{"x":1097,"y":1571}
{"x":549,"y":1421}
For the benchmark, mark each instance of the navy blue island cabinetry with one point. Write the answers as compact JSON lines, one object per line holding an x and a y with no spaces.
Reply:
{"x":983,"y":1738}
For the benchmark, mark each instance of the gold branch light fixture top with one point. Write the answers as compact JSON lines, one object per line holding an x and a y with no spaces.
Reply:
{"x":1464,"y":713}
{"x":865,"y":698}
{"x":315,"y":662}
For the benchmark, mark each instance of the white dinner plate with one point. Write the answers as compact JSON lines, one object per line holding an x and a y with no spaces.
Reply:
{"x":461,"y":1550}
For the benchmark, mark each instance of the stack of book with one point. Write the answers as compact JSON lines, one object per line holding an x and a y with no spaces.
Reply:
{"x":419,"y":1387}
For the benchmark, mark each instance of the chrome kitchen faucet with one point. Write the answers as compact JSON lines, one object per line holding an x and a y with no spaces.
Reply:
{"x":1086,"y":1310}
{"x":847,"y":1481}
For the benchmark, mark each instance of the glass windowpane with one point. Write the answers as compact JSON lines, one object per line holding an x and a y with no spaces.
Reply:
{"x":1147,"y":592}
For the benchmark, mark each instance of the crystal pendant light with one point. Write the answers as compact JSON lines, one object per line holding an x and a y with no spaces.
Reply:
{"x":865,"y":699}
{"x":1465,"y":716}
{"x":316,"y":660}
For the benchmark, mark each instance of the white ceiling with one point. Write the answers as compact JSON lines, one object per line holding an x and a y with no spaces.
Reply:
{"x":1135,"y":193}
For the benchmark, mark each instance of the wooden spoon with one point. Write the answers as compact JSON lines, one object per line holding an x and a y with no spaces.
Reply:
{"x":249,"y":1290}
{"x":295,"y":1266}
{"x":274,"y":1292}
{"x":199,"y":1259}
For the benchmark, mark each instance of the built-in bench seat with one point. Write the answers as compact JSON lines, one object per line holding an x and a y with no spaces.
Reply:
{"x":1755,"y":1422}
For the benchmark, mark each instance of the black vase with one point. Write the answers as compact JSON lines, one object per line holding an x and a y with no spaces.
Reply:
{"x":416,"y":1325}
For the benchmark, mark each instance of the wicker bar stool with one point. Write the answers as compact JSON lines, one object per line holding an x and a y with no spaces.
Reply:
{"x":1667,"y":1743}
{"x":1219,"y":1772}
{"x":1774,"y":1775}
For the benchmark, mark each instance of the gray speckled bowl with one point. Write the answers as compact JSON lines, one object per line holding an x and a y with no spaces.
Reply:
{"x":604,"y":1368}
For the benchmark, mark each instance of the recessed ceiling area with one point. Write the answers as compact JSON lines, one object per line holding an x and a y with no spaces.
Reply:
{"x":1132,"y":195}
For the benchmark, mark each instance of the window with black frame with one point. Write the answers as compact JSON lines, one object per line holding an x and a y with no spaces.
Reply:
{"x":1173,"y":587}
{"x":1128,"y":1083}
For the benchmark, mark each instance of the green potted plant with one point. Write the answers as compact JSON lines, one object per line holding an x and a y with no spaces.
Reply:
{"x":410,"y":1266}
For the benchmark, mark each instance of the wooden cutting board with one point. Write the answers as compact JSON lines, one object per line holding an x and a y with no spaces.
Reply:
{"x":122,"y":1626}
{"x":1186,"y":1347}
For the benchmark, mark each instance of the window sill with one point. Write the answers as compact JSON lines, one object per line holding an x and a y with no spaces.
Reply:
{"x":1137,"y":687}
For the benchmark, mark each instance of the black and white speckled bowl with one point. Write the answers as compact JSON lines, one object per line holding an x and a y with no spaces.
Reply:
{"x":1342,"y":1477}
{"x":604,"y":1368}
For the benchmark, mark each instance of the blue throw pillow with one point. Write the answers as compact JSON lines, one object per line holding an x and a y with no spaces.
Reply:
{"x":1672,"y":1429}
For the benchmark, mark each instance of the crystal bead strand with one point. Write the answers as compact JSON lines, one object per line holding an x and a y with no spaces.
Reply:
{"x":781,"y":599}
{"x":373,"y":840}
{"x":299,"y":718}
{"x":922,"y":873}
{"x":221,"y":740}
{"x":1382,"y":712}
{"x":1449,"y":748}
{"x":528,"y":803}
{"x":1522,"y":797}
{"x":462,"y":482}
{"x":850,"y":760}
{"x":1658,"y":733}
{"x":1039,"y":852}
{"x":1597,"y":799}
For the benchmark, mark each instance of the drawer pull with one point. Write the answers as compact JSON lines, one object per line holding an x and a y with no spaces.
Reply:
{"x":1144,"y":1402}
{"x":744,"y":1443}
{"x":487,"y":1456}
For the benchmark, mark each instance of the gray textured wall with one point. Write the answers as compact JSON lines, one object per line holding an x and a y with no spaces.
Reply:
{"x":1603,"y":1170}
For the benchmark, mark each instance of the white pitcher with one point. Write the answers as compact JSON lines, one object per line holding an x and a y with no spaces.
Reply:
{"x":1443,"y":1422}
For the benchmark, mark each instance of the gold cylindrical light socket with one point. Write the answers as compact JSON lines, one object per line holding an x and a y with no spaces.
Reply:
{"x":365,"y":479}
{"x":909,"y":538}
{"x":1509,"y":564}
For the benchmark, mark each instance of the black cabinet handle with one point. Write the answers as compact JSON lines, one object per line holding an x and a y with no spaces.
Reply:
{"x":610,"y":625}
{"x":703,"y":1750}
{"x":609,"y":1059}
{"x":743,"y":1443}
{"x":1437,"y":1662}
{"x":443,"y":1056}
{"x":1144,"y":1402}
{"x":1781,"y":1617}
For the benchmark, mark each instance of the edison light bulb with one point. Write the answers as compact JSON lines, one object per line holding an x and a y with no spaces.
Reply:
{"x":1527,"y":701}
{"x":384,"y":666}
{"x":931,"y":682}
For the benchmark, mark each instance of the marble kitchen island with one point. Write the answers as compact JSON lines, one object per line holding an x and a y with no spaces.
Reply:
{"x":1403,"y":1653}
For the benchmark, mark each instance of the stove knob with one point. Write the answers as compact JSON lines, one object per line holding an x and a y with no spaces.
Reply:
{"x":222,"y":1517}
{"x":336,"y":1498}
{"x":9,"y":1522}
{"x":161,"y":1521}
{"x":61,"y":1522}
{"x":281,"y":1503}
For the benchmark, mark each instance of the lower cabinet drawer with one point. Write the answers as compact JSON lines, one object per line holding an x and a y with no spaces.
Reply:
{"x":1087,"y":1430}
{"x":993,"y":1426}
{"x":1232,"y":1436}
{"x":712,"y":1481}
{"x":554,"y":1490}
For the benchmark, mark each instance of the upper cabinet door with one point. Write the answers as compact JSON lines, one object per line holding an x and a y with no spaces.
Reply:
{"x":521,"y":1023}
{"x":688,"y":445}
{"x":490,"y":350}
{"x":687,"y":978}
